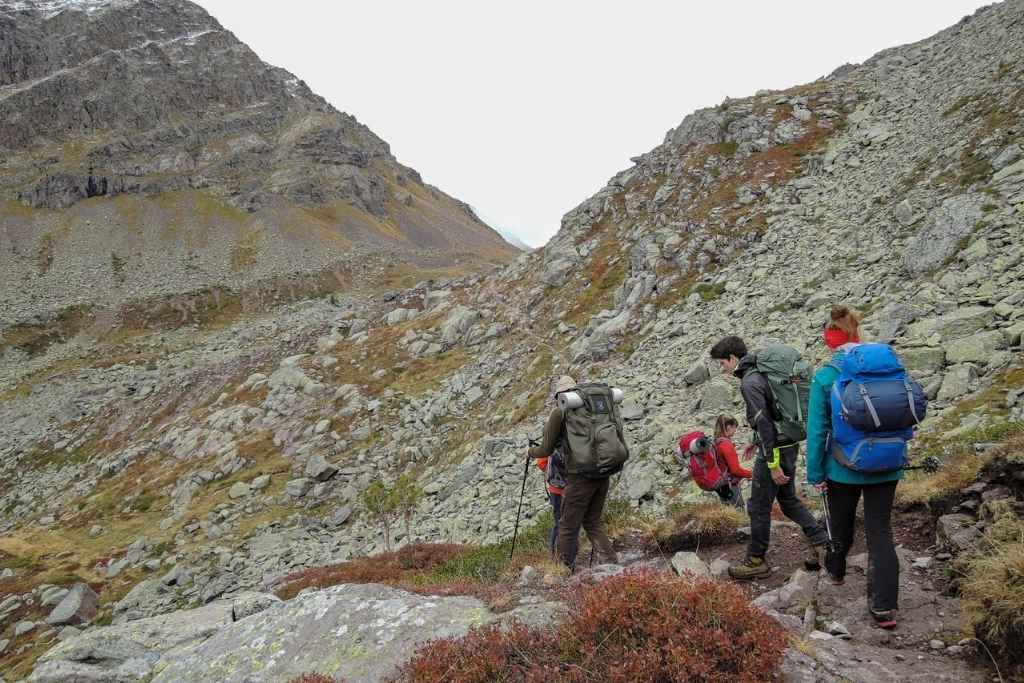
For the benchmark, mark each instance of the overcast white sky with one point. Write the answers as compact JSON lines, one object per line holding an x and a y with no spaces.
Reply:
{"x":524,"y":109}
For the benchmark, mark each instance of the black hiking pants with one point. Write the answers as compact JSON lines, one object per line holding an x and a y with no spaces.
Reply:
{"x":883,"y":563}
{"x":582,"y":505}
{"x":764,"y":492}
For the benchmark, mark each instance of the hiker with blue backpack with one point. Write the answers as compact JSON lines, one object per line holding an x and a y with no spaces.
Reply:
{"x":863,"y":409}
{"x":774,"y":383}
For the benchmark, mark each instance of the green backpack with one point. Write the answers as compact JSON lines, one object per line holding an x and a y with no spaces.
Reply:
{"x":593,"y":428}
{"x":789,"y":377}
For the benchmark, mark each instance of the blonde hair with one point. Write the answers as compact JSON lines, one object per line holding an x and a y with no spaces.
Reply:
{"x":723,"y":423}
{"x":846,"y":319}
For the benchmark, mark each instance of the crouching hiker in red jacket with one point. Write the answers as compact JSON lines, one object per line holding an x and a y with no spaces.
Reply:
{"x":730,"y":490}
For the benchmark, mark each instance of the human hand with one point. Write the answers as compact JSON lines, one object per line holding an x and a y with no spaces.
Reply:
{"x":779,"y":477}
{"x":749,"y":451}
{"x":821,"y":487}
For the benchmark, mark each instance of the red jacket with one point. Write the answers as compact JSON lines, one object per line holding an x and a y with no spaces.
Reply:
{"x":542,"y":463}
{"x":727,"y":450}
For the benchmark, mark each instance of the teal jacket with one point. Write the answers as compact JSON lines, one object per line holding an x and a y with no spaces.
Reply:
{"x":820,"y":463}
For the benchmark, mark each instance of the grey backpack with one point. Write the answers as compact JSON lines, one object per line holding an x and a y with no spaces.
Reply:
{"x":596,"y":446}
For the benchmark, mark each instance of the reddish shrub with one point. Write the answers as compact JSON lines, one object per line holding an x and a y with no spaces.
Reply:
{"x":313,"y":678}
{"x":638,"y":626}
{"x":394,"y":569}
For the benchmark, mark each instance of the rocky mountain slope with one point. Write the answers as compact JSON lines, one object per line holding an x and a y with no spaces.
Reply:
{"x":145,"y":151}
{"x":174,"y":468}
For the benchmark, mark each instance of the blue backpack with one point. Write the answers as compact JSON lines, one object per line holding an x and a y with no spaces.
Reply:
{"x":875,"y":408}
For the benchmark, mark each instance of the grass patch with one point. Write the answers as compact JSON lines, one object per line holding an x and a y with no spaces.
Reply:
{"x":992,"y":584}
{"x":710,"y":291}
{"x":689,"y":526}
{"x":961,"y":465}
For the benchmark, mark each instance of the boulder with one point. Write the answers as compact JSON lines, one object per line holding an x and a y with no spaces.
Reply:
{"x":956,"y":533}
{"x":79,"y":606}
{"x":297,"y":488}
{"x":958,"y":381}
{"x":458,"y":323}
{"x":697,"y":373}
{"x":689,"y":563}
{"x":718,"y":396}
{"x":922,"y":361}
{"x":239,"y":490}
{"x":977,"y":348}
{"x":631,"y":410}
{"x":356,"y":632}
{"x":318,"y":469}
{"x":942,"y":233}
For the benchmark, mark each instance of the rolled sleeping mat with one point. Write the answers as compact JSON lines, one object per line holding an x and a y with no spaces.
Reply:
{"x":617,"y":396}
{"x":567,"y":400}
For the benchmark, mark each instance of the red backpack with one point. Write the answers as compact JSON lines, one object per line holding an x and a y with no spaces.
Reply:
{"x":705,"y":468}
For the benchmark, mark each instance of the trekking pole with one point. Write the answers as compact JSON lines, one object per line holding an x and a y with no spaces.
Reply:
{"x":931,"y":465}
{"x":828,"y":520}
{"x":522,"y":494}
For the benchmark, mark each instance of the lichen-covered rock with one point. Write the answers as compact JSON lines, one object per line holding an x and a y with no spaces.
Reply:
{"x":79,"y":606}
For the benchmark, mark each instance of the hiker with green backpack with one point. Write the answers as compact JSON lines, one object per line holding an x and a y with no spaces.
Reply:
{"x":588,"y":425}
{"x":775,"y":384}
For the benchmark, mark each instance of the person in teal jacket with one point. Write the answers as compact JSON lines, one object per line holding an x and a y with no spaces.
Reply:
{"x":845,"y":487}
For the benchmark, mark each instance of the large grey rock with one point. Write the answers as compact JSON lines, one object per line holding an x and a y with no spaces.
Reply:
{"x":297,"y":488}
{"x":958,"y":381}
{"x":697,"y":373}
{"x":941,"y":235}
{"x":79,"y":606}
{"x":319,"y":469}
{"x":956,"y":533}
{"x":962,"y":322}
{"x":718,"y":395}
{"x":128,"y":652}
{"x":458,"y":323}
{"x":689,"y":563}
{"x":357,"y":632}
{"x":977,"y":348}
{"x":924,"y":360}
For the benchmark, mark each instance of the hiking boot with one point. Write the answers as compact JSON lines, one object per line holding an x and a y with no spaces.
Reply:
{"x":752,"y":568}
{"x":884,"y":618}
{"x":813,"y":561}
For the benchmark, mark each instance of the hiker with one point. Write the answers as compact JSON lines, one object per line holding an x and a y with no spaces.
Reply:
{"x":553,"y":468}
{"x":585,"y":492}
{"x":845,"y":486}
{"x":730,"y":491}
{"x":774,"y":467}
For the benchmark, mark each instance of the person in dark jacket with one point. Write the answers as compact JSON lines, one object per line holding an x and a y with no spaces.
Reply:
{"x":845,"y":487}
{"x":774,"y":468}
{"x":583,"y":499}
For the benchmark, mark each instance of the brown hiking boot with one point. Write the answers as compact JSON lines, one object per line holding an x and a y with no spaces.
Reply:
{"x":752,"y":568}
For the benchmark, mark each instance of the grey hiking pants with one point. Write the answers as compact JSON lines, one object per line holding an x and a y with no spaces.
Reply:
{"x":582,"y":506}
{"x":763,"y":494}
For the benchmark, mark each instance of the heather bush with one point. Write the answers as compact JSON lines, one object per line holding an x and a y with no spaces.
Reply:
{"x":312,"y":678}
{"x":638,"y":626}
